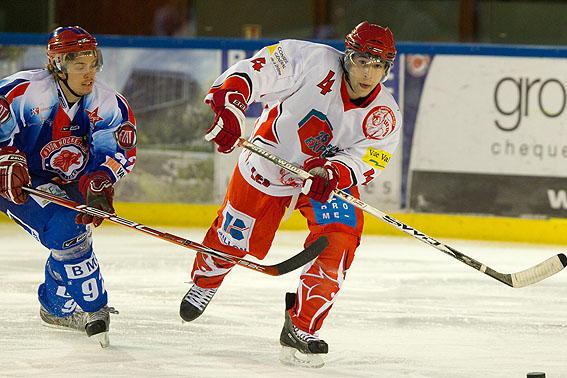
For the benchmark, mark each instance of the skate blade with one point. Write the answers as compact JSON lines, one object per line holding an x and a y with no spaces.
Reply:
{"x":102,"y":338}
{"x":59,"y":327}
{"x":292,"y":357}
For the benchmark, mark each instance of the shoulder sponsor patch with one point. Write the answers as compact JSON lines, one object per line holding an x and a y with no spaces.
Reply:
{"x":377,"y":159}
{"x":125,"y":136}
{"x":5,"y":113}
{"x":379,"y":123}
{"x":279,"y":59}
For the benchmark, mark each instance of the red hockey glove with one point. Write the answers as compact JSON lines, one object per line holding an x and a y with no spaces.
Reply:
{"x":325,"y":179}
{"x":229,"y":107}
{"x":13,"y":175}
{"x":98,"y":192}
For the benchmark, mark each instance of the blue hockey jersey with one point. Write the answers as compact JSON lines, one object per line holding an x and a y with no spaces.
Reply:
{"x":63,"y":142}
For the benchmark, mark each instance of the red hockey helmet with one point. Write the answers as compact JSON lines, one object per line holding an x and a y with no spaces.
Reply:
{"x":372,"y":39}
{"x":70,"y":39}
{"x":66,"y":43}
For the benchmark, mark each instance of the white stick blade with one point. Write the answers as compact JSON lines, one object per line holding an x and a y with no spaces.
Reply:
{"x":539,"y":272}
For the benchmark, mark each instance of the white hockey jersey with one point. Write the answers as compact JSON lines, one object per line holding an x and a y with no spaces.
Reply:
{"x":307,"y":112}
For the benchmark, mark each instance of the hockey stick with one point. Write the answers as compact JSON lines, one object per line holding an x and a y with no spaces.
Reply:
{"x":526,"y":277}
{"x":294,"y":262}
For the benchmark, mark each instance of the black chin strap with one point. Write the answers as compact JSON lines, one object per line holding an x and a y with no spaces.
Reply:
{"x":64,"y":81}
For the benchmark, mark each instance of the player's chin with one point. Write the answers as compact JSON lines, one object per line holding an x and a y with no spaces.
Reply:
{"x":86,"y":89}
{"x":364,"y":90}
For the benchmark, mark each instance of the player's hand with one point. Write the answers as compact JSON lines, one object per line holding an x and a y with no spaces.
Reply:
{"x":98,"y":192}
{"x":324,"y":181}
{"x":13,"y":175}
{"x":229,"y":107}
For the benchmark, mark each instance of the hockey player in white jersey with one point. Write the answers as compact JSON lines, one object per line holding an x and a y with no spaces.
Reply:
{"x":328,"y":112}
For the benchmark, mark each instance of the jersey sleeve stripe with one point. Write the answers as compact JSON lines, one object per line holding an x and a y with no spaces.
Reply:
{"x":347,"y":177}
{"x":127,"y":113}
{"x":8,"y":87}
{"x":17,"y":91}
{"x":267,"y":129}
{"x":240,"y":82}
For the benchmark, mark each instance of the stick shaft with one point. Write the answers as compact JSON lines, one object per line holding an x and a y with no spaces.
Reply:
{"x":294,"y":262}
{"x":520,"y":279}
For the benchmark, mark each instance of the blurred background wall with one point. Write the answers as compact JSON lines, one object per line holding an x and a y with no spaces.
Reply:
{"x":458,"y":172}
{"x":486,"y":21}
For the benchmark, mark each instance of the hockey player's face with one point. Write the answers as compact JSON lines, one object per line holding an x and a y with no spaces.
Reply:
{"x":364,"y":75}
{"x":81,"y":73}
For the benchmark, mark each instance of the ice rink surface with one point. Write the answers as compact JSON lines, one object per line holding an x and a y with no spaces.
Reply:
{"x":405,"y":310}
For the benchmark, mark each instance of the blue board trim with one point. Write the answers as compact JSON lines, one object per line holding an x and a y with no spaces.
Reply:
{"x":243,"y":44}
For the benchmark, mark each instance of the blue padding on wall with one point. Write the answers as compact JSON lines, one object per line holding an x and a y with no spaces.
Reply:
{"x":244,"y":44}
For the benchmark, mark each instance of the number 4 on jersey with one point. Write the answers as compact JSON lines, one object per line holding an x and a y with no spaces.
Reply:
{"x":327,"y":83}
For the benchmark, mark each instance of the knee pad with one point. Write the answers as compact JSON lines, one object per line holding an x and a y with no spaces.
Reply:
{"x":72,"y":277}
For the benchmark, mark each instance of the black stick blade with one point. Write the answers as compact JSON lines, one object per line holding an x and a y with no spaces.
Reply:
{"x":307,"y":255}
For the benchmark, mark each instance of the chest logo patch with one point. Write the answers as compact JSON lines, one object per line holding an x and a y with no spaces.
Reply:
{"x":379,"y":123}
{"x":66,"y":157}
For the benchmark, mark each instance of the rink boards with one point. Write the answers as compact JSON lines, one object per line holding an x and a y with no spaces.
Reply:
{"x":440,"y":226}
{"x":483,"y":132}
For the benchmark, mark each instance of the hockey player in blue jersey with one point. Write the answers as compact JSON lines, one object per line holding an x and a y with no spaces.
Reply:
{"x":63,"y":132}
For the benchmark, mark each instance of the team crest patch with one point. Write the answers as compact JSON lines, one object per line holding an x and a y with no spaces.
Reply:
{"x":315,"y":133}
{"x":5,"y":113}
{"x":125,"y":136}
{"x":236,"y":228}
{"x":377,"y":159}
{"x":66,"y":156}
{"x":379,"y":123}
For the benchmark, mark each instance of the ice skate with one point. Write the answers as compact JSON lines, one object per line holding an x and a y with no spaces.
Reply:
{"x":98,"y":324}
{"x":75,"y":321}
{"x":300,"y":348}
{"x":194,"y":302}
{"x":95,"y":324}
